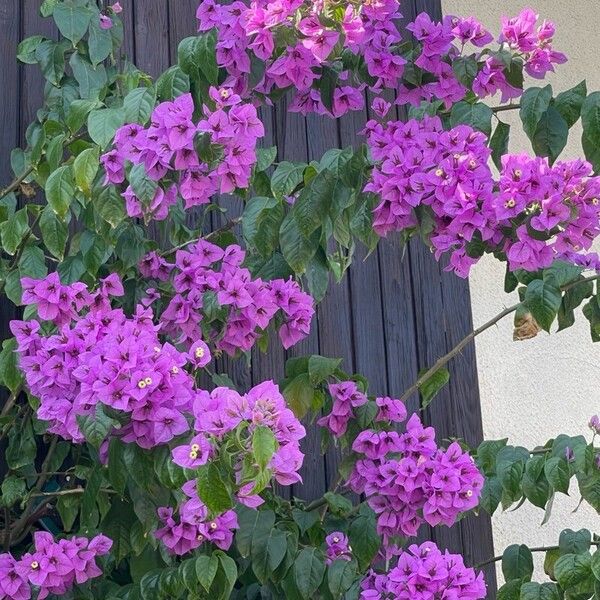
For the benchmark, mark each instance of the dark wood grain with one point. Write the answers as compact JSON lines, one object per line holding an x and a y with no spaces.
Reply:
{"x":394,"y":314}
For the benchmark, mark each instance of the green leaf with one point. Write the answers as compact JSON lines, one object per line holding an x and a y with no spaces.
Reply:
{"x":47,"y":7}
{"x":264,"y":446}
{"x":21,"y":449}
{"x":341,"y":574}
{"x":309,"y":570}
{"x":26,"y":49}
{"x":33,"y":263}
{"x":261,"y":221}
{"x":535,"y":102}
{"x":543,"y":301}
{"x":465,"y":69}
{"x":431,"y":387}
{"x":557,"y":473}
{"x":72,"y":19}
{"x":286,"y":178}
{"x":321,"y":368}
{"x":206,"y":569}
{"x":297,"y":248}
{"x":54,"y":233}
{"x":537,"y":591}
{"x":230,"y":574}
{"x":117,"y":525}
{"x":117,"y":469}
{"x":339,"y":505}
{"x":51,"y":56}
{"x":198,"y":55}
{"x":103,"y":124}
{"x":100,"y":42}
{"x":478,"y":116}
{"x":68,"y":508}
{"x":172,"y":83}
{"x":91,"y":79}
{"x":573,"y":569}
{"x":574,"y":542}
{"x":268,"y":553}
{"x":111,"y":206}
{"x":10,"y":374}
{"x":499,"y":143}
{"x":60,"y":190}
{"x":569,"y":103}
{"x":317,"y":275}
{"x":139,"y":104}
{"x":550,"y":136}
{"x":561,"y":273}
{"x":364,"y":539}
{"x":517,"y":563}
{"x":77,"y":113}
{"x":595,"y":565}
{"x":327,"y":85}
{"x":314,"y":202}
{"x":299,"y":394}
{"x":265,"y":158}
{"x":534,"y":484}
{"x":143,"y":187}
{"x":253,"y":524}
{"x":96,"y":428}
{"x":13,"y":489}
{"x":71,"y":269}
{"x":212,"y":489}
{"x":85,"y":167}
{"x":14,"y":230}
{"x":590,"y":119}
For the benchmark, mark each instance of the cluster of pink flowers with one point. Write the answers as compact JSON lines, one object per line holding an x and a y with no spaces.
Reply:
{"x":520,"y":35}
{"x":253,"y":31}
{"x":52,"y":568}
{"x":99,"y":355}
{"x":105,"y":19}
{"x":408,"y":480}
{"x":194,"y":526}
{"x":534,"y":213}
{"x":296,"y":39}
{"x":337,"y":547}
{"x":167,"y":152}
{"x":250,"y":304}
{"x":219,"y":415}
{"x":423,"y":573}
{"x":346,"y":396}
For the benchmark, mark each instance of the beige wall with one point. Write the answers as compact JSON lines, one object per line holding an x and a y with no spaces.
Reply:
{"x":535,"y":389}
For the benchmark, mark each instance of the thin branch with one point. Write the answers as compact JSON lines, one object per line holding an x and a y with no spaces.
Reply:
{"x":538,"y":549}
{"x":11,"y":401}
{"x":68,"y":493}
{"x":213,"y":234}
{"x":17,"y":181}
{"x":497,"y":109}
{"x":448,"y":357}
{"x":470,"y":337}
{"x":11,"y":187}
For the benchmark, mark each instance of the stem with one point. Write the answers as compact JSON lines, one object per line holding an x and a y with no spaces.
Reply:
{"x":471,"y":336}
{"x":229,"y":225}
{"x":68,"y":493}
{"x":538,"y":549}
{"x":11,"y":187}
{"x":12,"y":399}
{"x":497,"y":109}
{"x":447,"y":357}
{"x":17,"y":257}
{"x":17,"y":181}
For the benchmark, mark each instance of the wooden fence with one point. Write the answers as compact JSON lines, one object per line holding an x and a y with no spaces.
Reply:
{"x":394,"y":314}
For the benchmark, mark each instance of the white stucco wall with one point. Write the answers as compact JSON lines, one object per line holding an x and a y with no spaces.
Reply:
{"x":536,"y":389}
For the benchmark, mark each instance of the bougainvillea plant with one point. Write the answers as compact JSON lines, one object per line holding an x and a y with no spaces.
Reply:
{"x":134,"y":469}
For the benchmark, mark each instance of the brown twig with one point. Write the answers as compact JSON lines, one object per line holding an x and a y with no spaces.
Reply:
{"x":210,"y":236}
{"x":470,"y":337}
{"x":538,"y":549}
